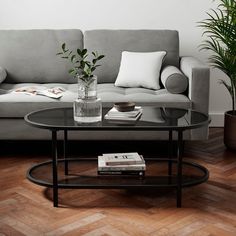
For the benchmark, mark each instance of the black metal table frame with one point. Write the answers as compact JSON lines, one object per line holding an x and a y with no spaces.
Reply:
{"x":178,"y":160}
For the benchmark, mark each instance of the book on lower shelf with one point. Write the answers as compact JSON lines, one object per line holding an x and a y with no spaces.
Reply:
{"x":112,"y":159}
{"x":127,"y":172}
{"x":114,"y":114}
{"x":123,"y":168}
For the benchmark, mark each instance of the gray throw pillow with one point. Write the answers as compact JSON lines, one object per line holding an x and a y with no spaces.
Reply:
{"x":3,"y":74}
{"x":174,"y":80}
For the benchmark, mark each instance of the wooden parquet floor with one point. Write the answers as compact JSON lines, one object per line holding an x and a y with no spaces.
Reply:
{"x":208,"y":209}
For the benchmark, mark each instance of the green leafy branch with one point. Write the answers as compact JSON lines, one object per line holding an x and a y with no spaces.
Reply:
{"x":81,"y":66}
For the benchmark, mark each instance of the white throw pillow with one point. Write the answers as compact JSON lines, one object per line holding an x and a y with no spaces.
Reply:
{"x":140,"y":69}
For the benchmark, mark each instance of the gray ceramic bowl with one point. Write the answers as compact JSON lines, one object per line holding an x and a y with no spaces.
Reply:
{"x":124,"y":106}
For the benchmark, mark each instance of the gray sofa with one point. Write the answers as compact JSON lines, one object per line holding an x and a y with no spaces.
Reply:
{"x":29,"y":58}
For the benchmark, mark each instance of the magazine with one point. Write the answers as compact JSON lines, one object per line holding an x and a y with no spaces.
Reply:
{"x":55,"y":92}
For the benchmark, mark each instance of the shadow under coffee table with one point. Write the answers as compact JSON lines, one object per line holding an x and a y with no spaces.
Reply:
{"x":153,"y":119}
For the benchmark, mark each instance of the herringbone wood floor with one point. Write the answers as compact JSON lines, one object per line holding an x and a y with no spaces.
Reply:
{"x":208,"y":209}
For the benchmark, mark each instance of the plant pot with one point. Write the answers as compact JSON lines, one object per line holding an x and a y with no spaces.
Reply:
{"x":230,"y":130}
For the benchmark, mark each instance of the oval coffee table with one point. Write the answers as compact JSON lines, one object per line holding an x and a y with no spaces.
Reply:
{"x":153,"y":119}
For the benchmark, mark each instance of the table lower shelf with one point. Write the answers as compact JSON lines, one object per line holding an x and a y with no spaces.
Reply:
{"x":83,"y":175}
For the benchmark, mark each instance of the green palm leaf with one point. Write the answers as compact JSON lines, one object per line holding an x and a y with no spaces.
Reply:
{"x":220,"y":29}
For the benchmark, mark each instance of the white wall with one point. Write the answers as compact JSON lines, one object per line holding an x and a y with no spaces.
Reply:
{"x":182,"y":15}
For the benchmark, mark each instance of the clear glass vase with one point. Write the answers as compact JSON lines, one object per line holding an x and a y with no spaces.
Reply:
{"x":87,"y":87}
{"x":87,"y":108}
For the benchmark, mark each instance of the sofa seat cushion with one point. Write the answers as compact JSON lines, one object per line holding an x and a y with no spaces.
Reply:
{"x":110,"y":94}
{"x":18,"y":105}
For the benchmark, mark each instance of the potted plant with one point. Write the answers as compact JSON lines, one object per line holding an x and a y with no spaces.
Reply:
{"x":220,"y":29}
{"x":87,"y":108}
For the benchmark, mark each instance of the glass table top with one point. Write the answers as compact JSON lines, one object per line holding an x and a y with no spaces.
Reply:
{"x":153,"y":118}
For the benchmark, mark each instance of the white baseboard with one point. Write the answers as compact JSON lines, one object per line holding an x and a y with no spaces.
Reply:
{"x":217,"y":119}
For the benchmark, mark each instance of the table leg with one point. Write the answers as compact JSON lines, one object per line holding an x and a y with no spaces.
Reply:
{"x":170,"y":151}
{"x":179,"y":168}
{"x":65,"y":152}
{"x":54,"y":168}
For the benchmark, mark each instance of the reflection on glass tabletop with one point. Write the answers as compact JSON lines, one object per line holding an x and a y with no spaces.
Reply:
{"x":153,"y":118}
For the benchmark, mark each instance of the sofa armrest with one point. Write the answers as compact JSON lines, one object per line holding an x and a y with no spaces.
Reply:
{"x":199,"y":82}
{"x":3,"y":74}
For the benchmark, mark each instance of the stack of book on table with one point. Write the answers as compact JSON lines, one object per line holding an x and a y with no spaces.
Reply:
{"x":114,"y":114}
{"x":121,"y":164}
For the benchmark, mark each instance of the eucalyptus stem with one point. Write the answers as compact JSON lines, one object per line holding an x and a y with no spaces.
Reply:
{"x":86,"y":91}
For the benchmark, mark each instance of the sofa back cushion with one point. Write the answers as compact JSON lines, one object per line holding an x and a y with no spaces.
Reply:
{"x":111,"y":43}
{"x":30,"y":55}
